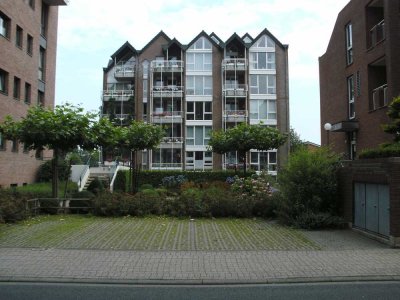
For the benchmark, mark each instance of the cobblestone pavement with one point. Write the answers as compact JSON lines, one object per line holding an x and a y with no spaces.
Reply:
{"x":345,"y":256}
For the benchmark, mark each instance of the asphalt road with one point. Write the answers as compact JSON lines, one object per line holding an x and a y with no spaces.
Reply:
{"x":349,"y":290}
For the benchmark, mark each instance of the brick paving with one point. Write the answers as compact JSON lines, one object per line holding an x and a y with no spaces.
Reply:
{"x":345,"y":255}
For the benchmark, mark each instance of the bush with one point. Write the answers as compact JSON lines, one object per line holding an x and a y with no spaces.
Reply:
{"x":120,"y":182}
{"x":49,"y":206}
{"x":310,"y":220}
{"x":308,"y":185}
{"x":12,"y":206}
{"x":391,"y":150}
{"x":219,"y":202}
{"x":112,"y":204}
{"x":96,"y":186}
{"x":45,"y":172}
{"x":43,"y":189}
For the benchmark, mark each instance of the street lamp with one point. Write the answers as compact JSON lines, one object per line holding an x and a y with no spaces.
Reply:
{"x":327,"y":127}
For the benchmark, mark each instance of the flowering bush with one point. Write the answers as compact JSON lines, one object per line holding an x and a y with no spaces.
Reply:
{"x":255,"y":186}
{"x":173,"y":181}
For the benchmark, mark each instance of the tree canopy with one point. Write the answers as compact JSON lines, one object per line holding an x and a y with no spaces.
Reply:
{"x":394,"y":114}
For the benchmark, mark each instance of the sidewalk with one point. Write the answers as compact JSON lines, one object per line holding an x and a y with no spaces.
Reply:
{"x":346,"y":256}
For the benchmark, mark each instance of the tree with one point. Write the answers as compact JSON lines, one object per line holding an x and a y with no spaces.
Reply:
{"x":136,"y":137}
{"x":394,"y":114}
{"x":244,"y":137}
{"x":295,"y":141}
{"x":61,"y":130}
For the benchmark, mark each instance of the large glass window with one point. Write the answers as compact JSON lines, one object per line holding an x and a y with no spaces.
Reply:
{"x":167,"y":158}
{"x":199,"y":85}
{"x":42,"y":62}
{"x":262,"y":60}
{"x":263,"y":109}
{"x":4,"y":25}
{"x":201,"y":44}
{"x":198,"y":61}
{"x":199,"y":110}
{"x":17,"y":88}
{"x":263,"y":161}
{"x":264,"y":41}
{"x":350,"y":95}
{"x":263,"y":84}
{"x":27,"y":93}
{"x":198,"y":135}
{"x":145,"y":67}
{"x":349,"y":43}
{"x":44,"y":19}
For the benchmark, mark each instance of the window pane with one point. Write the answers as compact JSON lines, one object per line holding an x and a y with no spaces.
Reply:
{"x":272,"y":109}
{"x":199,"y":62}
{"x":254,"y":157}
{"x":262,"y":80}
{"x":207,"y":85}
{"x":263,"y":109}
{"x":190,"y":107}
{"x":198,"y":89}
{"x":198,"y":135}
{"x":199,"y":111}
{"x":189,"y":132}
{"x":262,"y":60}
{"x":207,"y":44}
{"x":208,"y":107}
{"x":253,"y":109}
{"x":272,"y":157}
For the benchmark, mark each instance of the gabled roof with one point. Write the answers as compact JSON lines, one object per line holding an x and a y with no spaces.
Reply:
{"x":160,"y":34}
{"x":123,"y":49}
{"x":173,"y":41}
{"x":247,"y":35}
{"x":213,"y":34}
{"x":202,"y":34}
{"x":265,"y":31}
{"x":236,"y":37}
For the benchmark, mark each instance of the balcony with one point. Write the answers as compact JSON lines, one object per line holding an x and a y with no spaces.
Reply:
{"x":166,"y":66}
{"x":234,"y":64}
{"x":377,"y":34}
{"x":235,"y":115}
{"x":160,"y":116}
{"x":171,"y":142}
{"x":379,"y":97}
{"x":124,"y":71}
{"x":118,"y":95}
{"x":169,"y":91}
{"x":166,"y":166}
{"x":235,"y":90}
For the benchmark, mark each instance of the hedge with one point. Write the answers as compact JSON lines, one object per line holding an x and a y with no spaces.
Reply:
{"x":392,"y":150}
{"x":154,"y":177}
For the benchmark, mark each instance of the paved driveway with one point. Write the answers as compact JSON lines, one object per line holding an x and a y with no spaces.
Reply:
{"x":344,"y":255}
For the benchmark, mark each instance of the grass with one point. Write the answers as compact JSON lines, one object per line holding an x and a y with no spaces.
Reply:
{"x":43,"y":189}
{"x":152,"y":233}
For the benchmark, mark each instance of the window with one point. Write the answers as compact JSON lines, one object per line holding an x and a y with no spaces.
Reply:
{"x":198,"y":62}
{"x":199,"y":160}
{"x":198,"y":135}
{"x":44,"y":20}
{"x":199,"y":85}
{"x":29,"y":44}
{"x":18,"y":37}
{"x":199,"y":110}
{"x":263,"y":109}
{"x":40,"y":99}
{"x":201,"y":44}
{"x":263,"y":84}
{"x":265,"y":41}
{"x":166,"y":158}
{"x":4,"y":25}
{"x":263,"y":161}
{"x":145,"y":94}
{"x":32,"y":4}
{"x":3,"y":81}
{"x":349,"y":44}
{"x":145,"y":66}
{"x":262,"y":60}
{"x":17,"y":88}
{"x":27,"y":93}
{"x":42,"y":62}
{"x":350,"y":96}
{"x":2,"y":142}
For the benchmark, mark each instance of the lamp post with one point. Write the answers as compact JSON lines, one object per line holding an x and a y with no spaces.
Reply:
{"x":327,"y":127}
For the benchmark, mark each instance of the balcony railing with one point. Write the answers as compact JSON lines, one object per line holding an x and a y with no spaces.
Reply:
{"x":167,"y":116}
{"x":166,"y":165}
{"x":168,"y":91}
{"x":124,"y":71}
{"x":167,"y":65}
{"x":235,"y":90}
{"x":173,"y":139}
{"x":118,"y":116}
{"x":232,"y":64}
{"x":118,"y":95}
{"x":235,"y":115}
{"x":377,"y":33}
{"x":379,"y":97}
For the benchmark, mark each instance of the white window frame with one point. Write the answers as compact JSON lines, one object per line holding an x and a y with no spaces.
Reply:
{"x":199,"y":79}
{"x":270,"y":59}
{"x":271,"y":109}
{"x":201,"y":44}
{"x":270,"y":84}
{"x":193,"y":57}
{"x":204,"y":113}
{"x":271,"y":167}
{"x":191,"y":140}
{"x":350,"y":97}
{"x":4,"y":25}
{"x":349,"y":43}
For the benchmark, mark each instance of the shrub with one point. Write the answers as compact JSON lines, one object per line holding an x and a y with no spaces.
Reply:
{"x":120,"y":182}
{"x":96,"y":186}
{"x":45,"y":172}
{"x":12,"y":206}
{"x":145,"y":187}
{"x":308,"y":185}
{"x":391,"y":150}
{"x":112,"y":204}
{"x":49,"y":206}
{"x":219,"y":202}
{"x":173,"y":181}
{"x":310,"y":220}
{"x":192,"y":202}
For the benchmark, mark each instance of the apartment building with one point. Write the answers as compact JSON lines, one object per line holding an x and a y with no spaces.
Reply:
{"x":195,"y":88}
{"x":359,"y":75}
{"x":28,"y":42}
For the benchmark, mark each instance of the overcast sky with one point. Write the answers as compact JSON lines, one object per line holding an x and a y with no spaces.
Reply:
{"x":90,"y":31}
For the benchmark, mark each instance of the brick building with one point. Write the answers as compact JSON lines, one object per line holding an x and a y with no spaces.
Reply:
{"x":192,"y":89}
{"x":28,"y":42}
{"x":359,"y":75}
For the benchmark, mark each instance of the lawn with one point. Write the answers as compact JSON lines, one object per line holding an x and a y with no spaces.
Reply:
{"x":152,"y":233}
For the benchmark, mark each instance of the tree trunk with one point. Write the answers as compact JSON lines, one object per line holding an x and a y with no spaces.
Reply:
{"x":131,"y":173}
{"x":54,"y":186}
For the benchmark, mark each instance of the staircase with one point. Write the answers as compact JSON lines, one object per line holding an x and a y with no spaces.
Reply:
{"x":104,"y":178}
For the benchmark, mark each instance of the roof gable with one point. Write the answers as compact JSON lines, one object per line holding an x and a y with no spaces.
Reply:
{"x":160,"y":34}
{"x":202,"y":34}
{"x":265,"y":31}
